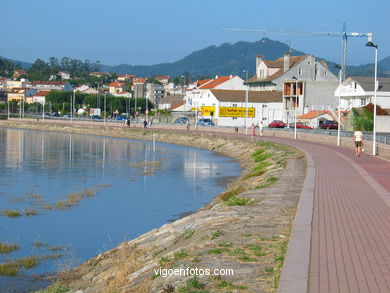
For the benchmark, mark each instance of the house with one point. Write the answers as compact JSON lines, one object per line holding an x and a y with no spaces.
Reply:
{"x":358,"y":91}
{"x":164,"y":79}
{"x":39,"y":97}
{"x":86,"y":90}
{"x":10,"y":84}
{"x":64,"y":75}
{"x":228,"y":107}
{"x":154,"y":93}
{"x":314,"y":118}
{"x":169,"y":101}
{"x":52,"y":85}
{"x":122,"y":94}
{"x":307,"y":83}
{"x":20,"y":94}
{"x":18,"y":73}
{"x":98,"y":74}
{"x":201,"y":92}
{"x":139,"y":87}
{"x":116,"y":87}
{"x":126,"y":77}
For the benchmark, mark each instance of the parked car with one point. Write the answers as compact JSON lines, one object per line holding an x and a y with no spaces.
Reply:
{"x":329,"y":124}
{"x":277,"y":124}
{"x":121,"y":117}
{"x":300,"y":125}
{"x":181,"y":120}
{"x":67,"y":115}
{"x":56,"y":115}
{"x":206,"y":121}
{"x":96,"y":117}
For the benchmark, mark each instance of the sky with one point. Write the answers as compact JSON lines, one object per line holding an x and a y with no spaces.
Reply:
{"x":157,"y":31}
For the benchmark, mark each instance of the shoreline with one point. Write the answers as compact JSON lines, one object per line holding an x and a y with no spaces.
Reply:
{"x":140,"y":278}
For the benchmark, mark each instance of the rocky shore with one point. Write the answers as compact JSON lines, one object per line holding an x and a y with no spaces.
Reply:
{"x":243,"y":233}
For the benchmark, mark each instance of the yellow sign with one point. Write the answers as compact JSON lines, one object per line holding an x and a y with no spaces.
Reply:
{"x":208,"y":110}
{"x":236,"y":112}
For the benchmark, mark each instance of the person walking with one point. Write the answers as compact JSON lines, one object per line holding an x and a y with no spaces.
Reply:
{"x":261,"y":128}
{"x":253,"y":130}
{"x":358,"y":138}
{"x":188,"y":125}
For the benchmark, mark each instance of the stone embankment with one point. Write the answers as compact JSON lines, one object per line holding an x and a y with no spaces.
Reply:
{"x":243,"y":232}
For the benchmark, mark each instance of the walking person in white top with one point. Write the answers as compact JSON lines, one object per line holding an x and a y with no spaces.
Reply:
{"x":358,"y":138}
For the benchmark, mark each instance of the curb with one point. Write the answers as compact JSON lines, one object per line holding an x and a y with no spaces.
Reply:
{"x":295,"y":273}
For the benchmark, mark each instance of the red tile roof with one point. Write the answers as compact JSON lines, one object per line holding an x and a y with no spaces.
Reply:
{"x":49,"y":82}
{"x":160,"y":77}
{"x":217,"y":82}
{"x":203,"y":81}
{"x":140,"y":80}
{"x":117,"y":84}
{"x":42,"y":94}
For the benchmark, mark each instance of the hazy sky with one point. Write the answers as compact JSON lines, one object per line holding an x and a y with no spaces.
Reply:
{"x":156,"y":31}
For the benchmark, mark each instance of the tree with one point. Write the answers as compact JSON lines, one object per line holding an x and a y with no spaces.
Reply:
{"x":363,"y":118}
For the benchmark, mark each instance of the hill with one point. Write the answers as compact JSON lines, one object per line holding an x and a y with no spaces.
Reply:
{"x":228,"y":59}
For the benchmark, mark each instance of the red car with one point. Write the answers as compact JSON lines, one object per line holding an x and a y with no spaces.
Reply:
{"x":300,"y":125}
{"x":329,"y":124}
{"x":277,"y":124}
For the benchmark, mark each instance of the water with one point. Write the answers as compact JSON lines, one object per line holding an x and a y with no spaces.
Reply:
{"x":137,"y":186}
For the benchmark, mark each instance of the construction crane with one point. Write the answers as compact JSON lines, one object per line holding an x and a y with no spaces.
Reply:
{"x":344,"y":35}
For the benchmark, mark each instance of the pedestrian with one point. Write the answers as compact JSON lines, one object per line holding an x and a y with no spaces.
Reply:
{"x":188,"y":125}
{"x":145,"y":123}
{"x":128,"y":122}
{"x":261,"y":128}
{"x":253,"y":130}
{"x":358,"y":138}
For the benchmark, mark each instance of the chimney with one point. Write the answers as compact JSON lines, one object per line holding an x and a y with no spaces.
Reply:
{"x":286,"y":62}
{"x":259,"y":58}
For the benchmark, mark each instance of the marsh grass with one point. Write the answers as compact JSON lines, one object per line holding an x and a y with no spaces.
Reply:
{"x":6,"y":248}
{"x":74,"y":199}
{"x":30,"y":212}
{"x":11,"y":213}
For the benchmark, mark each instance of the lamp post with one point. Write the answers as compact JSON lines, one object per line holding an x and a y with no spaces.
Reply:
{"x":295,"y":106}
{"x":371,"y":44}
{"x":246,"y":102}
{"x":339,"y":114}
{"x":105,"y":111}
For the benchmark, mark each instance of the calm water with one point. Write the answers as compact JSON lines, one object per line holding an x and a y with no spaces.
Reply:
{"x":137,"y":187}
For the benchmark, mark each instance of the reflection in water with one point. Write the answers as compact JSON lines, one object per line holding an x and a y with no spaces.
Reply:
{"x":139,"y":186}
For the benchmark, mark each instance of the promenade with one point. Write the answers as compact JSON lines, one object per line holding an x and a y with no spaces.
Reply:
{"x":340,"y":240}
{"x":350,"y":229}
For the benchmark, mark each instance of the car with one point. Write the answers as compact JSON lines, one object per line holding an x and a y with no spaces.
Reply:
{"x":56,"y":115}
{"x":67,"y":115}
{"x":121,"y":117}
{"x":181,"y":120}
{"x":206,"y":121}
{"x":96,"y":117}
{"x":329,"y":124}
{"x":277,"y":124}
{"x":300,"y":125}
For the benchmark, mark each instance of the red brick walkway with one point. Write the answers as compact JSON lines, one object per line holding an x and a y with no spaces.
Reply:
{"x":350,"y":240}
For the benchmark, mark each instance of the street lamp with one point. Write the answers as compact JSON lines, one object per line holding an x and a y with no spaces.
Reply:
{"x":371,"y":44}
{"x":339,"y":116}
{"x":246,"y":102}
{"x":295,"y":106}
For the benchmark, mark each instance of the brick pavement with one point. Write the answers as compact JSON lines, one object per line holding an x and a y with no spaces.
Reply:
{"x":350,"y":236}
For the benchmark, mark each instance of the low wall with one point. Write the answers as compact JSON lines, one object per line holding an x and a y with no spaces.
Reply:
{"x":383,"y":149}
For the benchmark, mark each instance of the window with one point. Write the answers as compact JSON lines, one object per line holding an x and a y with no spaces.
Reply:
{"x":264,"y":118}
{"x":264,"y":106}
{"x":355,"y":85}
{"x":234,"y":105}
{"x":363,"y":102}
{"x":300,"y":71}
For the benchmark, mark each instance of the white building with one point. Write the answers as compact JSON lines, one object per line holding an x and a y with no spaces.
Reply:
{"x":307,"y":83}
{"x":358,"y":91}
{"x":228,"y":107}
{"x":198,"y":94}
{"x":85,"y":89}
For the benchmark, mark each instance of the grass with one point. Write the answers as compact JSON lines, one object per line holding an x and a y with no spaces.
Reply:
{"x":73,"y":199}
{"x":225,"y":244}
{"x":6,"y":248}
{"x":241,"y":255}
{"x":231,"y":193}
{"x":164,"y":260}
{"x":216,"y":251}
{"x":188,"y":234}
{"x":216,"y":234}
{"x":11,"y":213}
{"x":269,"y":181}
{"x":30,"y":212}
{"x":9,"y":269}
{"x":193,"y":285}
{"x":180,"y":254}
{"x":237,"y":201}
